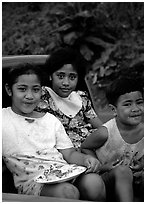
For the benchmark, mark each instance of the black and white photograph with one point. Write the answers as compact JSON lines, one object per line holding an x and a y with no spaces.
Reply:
{"x":72,"y":101}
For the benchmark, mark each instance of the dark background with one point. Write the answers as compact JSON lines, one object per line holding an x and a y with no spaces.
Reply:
{"x":110,"y":35}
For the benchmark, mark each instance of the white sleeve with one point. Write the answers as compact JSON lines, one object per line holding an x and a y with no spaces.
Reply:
{"x":62,"y":139}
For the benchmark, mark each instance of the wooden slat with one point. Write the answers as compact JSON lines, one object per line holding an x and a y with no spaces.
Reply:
{"x":8,"y":197}
{"x":15,"y":60}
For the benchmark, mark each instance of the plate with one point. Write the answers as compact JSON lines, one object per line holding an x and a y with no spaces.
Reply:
{"x":58,"y":173}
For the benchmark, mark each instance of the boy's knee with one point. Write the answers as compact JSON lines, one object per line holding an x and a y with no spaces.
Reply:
{"x":92,"y":187}
{"x":124,"y":173}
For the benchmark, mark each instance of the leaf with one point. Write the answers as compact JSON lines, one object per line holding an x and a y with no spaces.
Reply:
{"x":102,"y":71}
{"x":86,"y":52}
{"x":61,"y":28}
{"x":98,"y":41}
{"x":109,"y":71}
{"x":70,"y":38}
{"x":95,"y":78}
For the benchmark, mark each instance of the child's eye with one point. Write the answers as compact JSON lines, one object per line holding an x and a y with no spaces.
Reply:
{"x":140,"y":102}
{"x":22,"y":89}
{"x":127,"y":104}
{"x":73,"y":76}
{"x":36,"y":90}
{"x":60,"y":76}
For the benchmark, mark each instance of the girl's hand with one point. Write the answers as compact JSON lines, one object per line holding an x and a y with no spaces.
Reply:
{"x":92,"y":164}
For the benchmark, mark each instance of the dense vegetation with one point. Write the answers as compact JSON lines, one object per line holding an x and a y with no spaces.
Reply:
{"x":109,"y":35}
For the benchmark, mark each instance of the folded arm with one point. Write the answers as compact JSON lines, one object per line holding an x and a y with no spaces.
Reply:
{"x":95,"y":140}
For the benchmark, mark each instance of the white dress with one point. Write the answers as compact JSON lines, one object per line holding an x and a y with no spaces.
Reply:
{"x":29,"y":147}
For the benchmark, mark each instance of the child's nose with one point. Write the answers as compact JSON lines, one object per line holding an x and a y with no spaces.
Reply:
{"x":65,"y":81}
{"x":135,"y":108}
{"x":29,"y":94}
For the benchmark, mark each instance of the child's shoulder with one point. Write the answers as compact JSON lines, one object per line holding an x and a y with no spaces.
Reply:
{"x":110,"y":123}
{"x":111,"y":127}
{"x":6,"y":111}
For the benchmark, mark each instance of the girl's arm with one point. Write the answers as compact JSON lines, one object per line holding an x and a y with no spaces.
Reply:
{"x":89,"y":113}
{"x":96,"y":122}
{"x":74,"y":157}
{"x":95,"y":139}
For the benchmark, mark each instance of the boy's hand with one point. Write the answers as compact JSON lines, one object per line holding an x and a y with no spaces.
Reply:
{"x":92,"y":164}
{"x":109,"y":166}
{"x":138,"y":165}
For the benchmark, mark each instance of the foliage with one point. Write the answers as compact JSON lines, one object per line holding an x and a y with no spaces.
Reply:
{"x":109,"y":35}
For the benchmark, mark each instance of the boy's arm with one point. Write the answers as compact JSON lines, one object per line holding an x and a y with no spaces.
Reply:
{"x":89,"y":152}
{"x":95,"y":139}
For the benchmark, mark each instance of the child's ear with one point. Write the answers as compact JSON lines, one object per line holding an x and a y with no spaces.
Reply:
{"x":113,"y":108}
{"x":50,"y":78}
{"x":8,"y":90}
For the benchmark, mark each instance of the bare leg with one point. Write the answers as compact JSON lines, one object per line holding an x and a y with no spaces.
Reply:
{"x":91,"y":187}
{"x":123,"y":183}
{"x":62,"y":190}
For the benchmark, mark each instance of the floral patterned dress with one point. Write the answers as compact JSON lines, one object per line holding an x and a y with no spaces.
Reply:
{"x":77,"y":127}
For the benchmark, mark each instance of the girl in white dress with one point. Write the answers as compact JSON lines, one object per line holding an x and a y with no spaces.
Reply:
{"x":33,"y":141}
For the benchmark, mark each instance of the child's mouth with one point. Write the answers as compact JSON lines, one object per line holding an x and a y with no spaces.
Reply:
{"x":65,"y":90}
{"x":136,"y":116}
{"x":29,"y":104}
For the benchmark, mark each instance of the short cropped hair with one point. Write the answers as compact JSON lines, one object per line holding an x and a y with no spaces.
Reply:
{"x":121,"y":86}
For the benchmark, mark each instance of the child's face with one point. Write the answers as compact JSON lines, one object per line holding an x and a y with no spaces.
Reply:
{"x":25,"y":94}
{"x":130,"y":108}
{"x":64,"y":80}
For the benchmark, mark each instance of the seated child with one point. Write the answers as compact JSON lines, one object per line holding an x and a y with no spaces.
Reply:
{"x":122,"y":155}
{"x":33,"y":141}
{"x":63,"y":98}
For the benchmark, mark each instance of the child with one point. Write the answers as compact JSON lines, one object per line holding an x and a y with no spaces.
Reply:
{"x":66,"y":70}
{"x":33,"y":141}
{"x":125,"y":138}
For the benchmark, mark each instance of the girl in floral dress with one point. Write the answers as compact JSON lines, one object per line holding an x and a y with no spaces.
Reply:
{"x":62,"y":97}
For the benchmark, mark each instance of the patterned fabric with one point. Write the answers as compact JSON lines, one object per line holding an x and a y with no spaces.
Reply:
{"x":76,"y":127}
{"x":29,"y":147}
{"x":116,"y":148}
